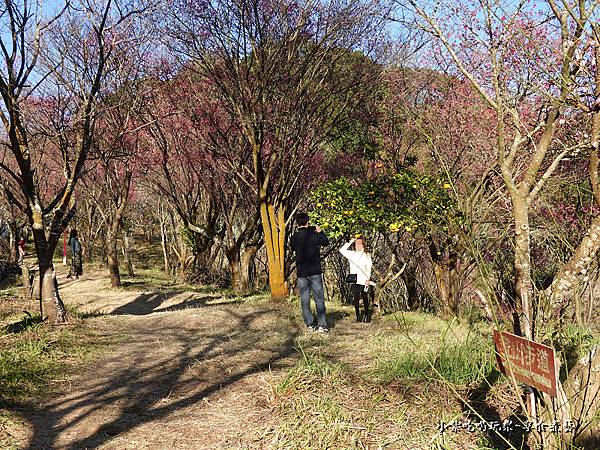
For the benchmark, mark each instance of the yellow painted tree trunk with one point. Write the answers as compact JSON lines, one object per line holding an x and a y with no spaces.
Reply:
{"x":273,"y":222}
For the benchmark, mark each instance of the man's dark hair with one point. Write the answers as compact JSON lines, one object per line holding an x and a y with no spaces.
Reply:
{"x":302,"y":219}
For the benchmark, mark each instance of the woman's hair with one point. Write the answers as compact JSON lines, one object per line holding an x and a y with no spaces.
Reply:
{"x":364,"y":241}
{"x":73,"y":234}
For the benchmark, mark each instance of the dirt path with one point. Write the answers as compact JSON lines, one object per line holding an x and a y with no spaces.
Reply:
{"x":193,"y":372}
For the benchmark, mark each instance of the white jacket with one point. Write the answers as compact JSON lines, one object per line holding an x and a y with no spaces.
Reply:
{"x":360,"y":263}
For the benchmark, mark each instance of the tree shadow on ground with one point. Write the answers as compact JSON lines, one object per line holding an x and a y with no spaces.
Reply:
{"x":202,"y":302}
{"x":143,"y":304}
{"x":590,"y":442}
{"x":336,"y":316}
{"x":144,"y":284}
{"x":150,"y":285}
{"x":66,"y":282}
{"x":478,"y":409}
{"x":147,"y":386}
{"x":150,"y":303}
{"x":87,"y":314}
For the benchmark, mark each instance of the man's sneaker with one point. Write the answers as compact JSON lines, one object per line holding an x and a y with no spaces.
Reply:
{"x":323,"y":330}
{"x":310,"y":328}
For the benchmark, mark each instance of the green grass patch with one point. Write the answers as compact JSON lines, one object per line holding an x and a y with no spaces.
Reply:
{"x":27,"y":364}
{"x":466,"y":363}
{"x":36,"y":354}
{"x":9,"y":292}
{"x":572,"y":342}
{"x":429,"y":348}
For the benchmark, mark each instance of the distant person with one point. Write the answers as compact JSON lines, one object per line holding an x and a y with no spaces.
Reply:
{"x":360,"y":265}
{"x":21,"y":248}
{"x":76,"y":260}
{"x":306,"y":243}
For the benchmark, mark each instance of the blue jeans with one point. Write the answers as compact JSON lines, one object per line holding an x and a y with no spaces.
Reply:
{"x":305,"y":285}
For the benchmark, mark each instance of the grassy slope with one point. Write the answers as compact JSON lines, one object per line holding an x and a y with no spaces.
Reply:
{"x":388,"y":384}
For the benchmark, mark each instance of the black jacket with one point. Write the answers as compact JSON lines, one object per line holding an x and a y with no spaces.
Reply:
{"x":307,"y":243}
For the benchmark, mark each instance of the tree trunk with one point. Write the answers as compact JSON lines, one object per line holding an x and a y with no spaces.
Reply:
{"x":412,"y":292}
{"x":89,"y":238}
{"x":26,"y":277}
{"x":52,"y":307}
{"x":576,"y":268}
{"x":454,"y":284}
{"x":203,"y":260}
{"x":523,"y":281}
{"x":246,"y":265}
{"x":113,"y":229}
{"x":445,"y":269}
{"x":163,"y":243}
{"x":273,"y":223}
{"x":441,"y":280}
{"x":239,"y":266}
{"x":233,"y":257}
{"x":127,"y":254}
{"x":582,"y":388}
{"x":185,"y":261}
{"x":112,"y":260}
{"x":13,"y":243}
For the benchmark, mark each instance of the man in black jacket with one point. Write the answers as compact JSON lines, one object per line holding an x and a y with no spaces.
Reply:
{"x":307,"y":243}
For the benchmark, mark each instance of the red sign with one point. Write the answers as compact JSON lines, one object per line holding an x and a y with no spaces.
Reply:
{"x":528,"y":361}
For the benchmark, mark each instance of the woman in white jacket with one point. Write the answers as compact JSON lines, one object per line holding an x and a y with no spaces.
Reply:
{"x":360,"y":265}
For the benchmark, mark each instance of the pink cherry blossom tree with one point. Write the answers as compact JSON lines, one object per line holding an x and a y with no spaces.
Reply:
{"x":56,"y":67}
{"x":282,"y":69}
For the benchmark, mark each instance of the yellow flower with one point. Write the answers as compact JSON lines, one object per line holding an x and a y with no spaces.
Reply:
{"x":447,"y":186}
{"x":319,"y":205}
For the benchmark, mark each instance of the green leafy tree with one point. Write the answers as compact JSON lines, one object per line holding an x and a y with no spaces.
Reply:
{"x":402,"y":207}
{"x":406,"y":201}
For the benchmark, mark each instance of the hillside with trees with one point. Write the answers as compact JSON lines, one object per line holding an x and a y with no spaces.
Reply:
{"x":180,"y":140}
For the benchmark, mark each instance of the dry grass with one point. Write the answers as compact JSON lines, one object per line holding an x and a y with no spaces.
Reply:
{"x":324,"y":405}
